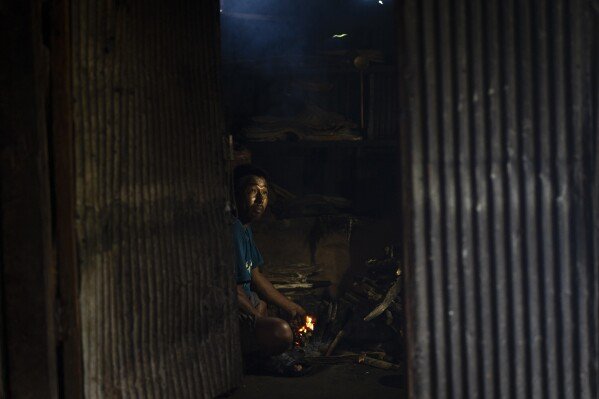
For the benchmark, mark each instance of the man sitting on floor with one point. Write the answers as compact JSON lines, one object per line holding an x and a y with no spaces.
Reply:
{"x":260,"y":334}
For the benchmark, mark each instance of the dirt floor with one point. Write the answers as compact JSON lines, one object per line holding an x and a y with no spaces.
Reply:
{"x":343,"y":381}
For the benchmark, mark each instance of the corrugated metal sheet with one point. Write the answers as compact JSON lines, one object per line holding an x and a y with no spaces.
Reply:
{"x":502,"y":279}
{"x":157,"y":307}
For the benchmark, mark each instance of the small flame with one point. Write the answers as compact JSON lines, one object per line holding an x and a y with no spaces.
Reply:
{"x":305,"y":331}
{"x":308,"y":326}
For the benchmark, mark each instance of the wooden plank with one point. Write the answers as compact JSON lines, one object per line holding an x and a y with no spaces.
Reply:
{"x":64,"y":201}
{"x":28,"y":269}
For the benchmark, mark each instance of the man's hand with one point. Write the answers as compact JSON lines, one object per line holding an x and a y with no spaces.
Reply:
{"x":295,"y":312}
{"x":262,"y":309}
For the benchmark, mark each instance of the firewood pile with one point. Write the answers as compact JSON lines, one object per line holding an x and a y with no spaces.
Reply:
{"x":363,"y":325}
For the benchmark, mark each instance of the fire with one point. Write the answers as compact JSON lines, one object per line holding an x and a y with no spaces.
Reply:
{"x":304,"y":331}
{"x":308,"y":325}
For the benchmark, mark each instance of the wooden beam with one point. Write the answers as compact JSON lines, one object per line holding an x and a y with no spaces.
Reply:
{"x":28,"y":274}
{"x":62,"y":150}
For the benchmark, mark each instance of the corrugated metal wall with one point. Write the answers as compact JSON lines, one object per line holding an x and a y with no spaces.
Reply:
{"x":502,"y":162}
{"x":157,"y":306}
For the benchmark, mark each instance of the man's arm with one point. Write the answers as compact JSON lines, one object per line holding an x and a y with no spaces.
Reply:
{"x":272,"y":295}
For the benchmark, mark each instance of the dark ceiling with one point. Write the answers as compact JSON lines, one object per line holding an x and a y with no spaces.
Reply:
{"x":273,"y":28}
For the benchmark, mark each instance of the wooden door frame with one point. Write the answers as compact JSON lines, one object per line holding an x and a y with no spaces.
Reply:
{"x":63,"y":179}
{"x":28,"y":267}
{"x":41,"y":338}
{"x":406,"y":199}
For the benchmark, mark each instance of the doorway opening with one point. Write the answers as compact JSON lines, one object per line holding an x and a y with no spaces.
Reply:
{"x":311,"y":95}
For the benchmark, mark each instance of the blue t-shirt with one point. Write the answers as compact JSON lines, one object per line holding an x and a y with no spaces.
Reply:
{"x":247,"y":255}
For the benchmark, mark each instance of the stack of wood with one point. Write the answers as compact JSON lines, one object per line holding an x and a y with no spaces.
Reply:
{"x":364,"y":325}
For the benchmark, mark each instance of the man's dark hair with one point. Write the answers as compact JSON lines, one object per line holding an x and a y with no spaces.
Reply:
{"x":244,"y":170}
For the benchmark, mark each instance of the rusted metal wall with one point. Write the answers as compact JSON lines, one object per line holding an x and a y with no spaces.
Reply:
{"x":502,"y":161}
{"x":157,"y":308}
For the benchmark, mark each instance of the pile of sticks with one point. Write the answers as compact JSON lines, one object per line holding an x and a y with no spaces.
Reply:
{"x":365,"y":324}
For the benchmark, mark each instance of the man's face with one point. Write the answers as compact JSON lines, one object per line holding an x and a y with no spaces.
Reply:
{"x":253,"y":198}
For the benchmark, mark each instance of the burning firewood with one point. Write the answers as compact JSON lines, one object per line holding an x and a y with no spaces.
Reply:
{"x":347,"y":331}
{"x":303,"y":332}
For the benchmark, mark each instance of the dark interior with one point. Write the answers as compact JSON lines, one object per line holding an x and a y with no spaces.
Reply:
{"x":311,"y":95}
{"x":433,"y":178}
